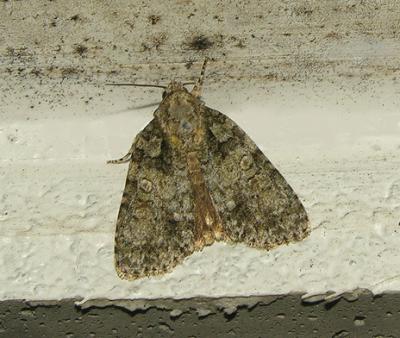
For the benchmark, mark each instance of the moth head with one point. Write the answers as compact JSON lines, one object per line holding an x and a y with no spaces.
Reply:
{"x":180,"y":87}
{"x":174,"y":87}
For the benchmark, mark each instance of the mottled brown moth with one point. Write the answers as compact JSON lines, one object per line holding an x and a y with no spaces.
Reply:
{"x":194,"y":178}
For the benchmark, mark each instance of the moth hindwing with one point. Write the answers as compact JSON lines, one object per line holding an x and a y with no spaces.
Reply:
{"x":195,"y":177}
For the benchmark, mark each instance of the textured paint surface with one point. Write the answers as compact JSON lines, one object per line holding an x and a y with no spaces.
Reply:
{"x":314,"y":84}
{"x":284,"y":316}
{"x":60,"y":199}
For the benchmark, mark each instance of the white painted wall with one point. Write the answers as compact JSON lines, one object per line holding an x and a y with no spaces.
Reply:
{"x":332,"y":131}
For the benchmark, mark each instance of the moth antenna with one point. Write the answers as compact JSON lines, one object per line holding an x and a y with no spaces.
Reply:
{"x":196,"y":91}
{"x":135,"y":85}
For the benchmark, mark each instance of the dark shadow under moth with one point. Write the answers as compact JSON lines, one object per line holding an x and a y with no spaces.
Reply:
{"x":195,"y":178}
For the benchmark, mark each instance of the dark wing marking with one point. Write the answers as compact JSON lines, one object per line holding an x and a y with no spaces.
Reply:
{"x":255,"y":203}
{"x":155,"y":226}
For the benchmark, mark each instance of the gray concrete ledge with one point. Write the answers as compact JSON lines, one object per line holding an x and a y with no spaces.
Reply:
{"x":285,"y":316}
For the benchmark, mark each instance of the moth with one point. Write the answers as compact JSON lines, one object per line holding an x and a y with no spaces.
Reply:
{"x":194,"y":178}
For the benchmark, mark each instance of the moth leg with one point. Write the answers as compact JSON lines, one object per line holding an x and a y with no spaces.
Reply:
{"x":124,"y":159}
